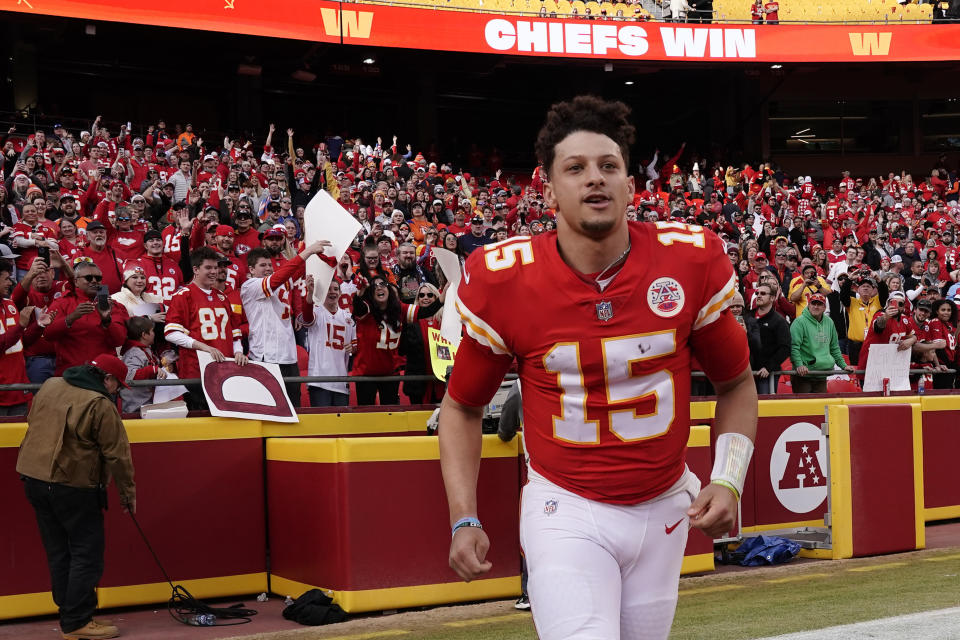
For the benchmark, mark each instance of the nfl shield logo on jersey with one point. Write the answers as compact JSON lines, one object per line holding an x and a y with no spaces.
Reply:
{"x":550,"y":507}
{"x":665,"y":297}
{"x":604,"y":311}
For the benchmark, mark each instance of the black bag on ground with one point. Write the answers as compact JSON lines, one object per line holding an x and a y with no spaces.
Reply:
{"x":314,"y":608}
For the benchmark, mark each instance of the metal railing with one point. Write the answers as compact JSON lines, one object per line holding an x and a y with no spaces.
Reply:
{"x":429,"y":378}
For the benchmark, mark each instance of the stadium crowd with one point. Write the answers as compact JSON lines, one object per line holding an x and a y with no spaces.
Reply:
{"x":162,"y":245}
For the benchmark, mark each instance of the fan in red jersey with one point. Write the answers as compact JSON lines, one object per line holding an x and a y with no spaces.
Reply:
{"x":200,"y":318}
{"x":893,"y":326}
{"x":13,"y":322}
{"x":28,"y":234}
{"x":237,"y":269}
{"x":943,"y":327}
{"x":39,"y":289}
{"x":164,"y":276}
{"x":246,"y":237}
{"x":930,"y":340}
{"x":380,"y":318}
{"x":604,"y":317}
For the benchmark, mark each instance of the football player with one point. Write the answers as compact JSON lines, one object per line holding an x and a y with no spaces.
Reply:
{"x":603,"y":317}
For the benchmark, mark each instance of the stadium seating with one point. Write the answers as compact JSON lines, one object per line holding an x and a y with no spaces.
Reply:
{"x":791,"y":11}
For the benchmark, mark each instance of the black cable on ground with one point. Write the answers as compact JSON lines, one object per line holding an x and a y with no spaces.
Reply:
{"x":184,"y":608}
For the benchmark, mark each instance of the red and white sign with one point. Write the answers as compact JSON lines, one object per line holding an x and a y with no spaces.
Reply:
{"x":390,"y":26}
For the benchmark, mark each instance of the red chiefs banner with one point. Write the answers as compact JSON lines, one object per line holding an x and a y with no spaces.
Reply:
{"x":390,"y":26}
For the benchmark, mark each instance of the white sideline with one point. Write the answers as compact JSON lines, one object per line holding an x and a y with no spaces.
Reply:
{"x":940,"y":624}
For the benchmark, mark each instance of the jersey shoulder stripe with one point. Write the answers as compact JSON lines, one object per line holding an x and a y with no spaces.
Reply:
{"x":172,"y":326}
{"x":481,"y":331}
{"x":715,"y":305}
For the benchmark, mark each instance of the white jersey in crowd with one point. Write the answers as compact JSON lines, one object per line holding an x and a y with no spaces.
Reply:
{"x":327,"y":337}
{"x":836,"y":270}
{"x":269,"y":316}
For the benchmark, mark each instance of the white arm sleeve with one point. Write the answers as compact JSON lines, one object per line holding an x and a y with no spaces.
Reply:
{"x":180,"y":339}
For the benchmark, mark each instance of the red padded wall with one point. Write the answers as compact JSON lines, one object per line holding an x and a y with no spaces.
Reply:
{"x":881,"y":479}
{"x":941,"y":473}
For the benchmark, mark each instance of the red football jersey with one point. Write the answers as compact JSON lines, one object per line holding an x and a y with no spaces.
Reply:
{"x":940,"y":330}
{"x":377,"y":344}
{"x":892,"y":333}
{"x":243,"y":242}
{"x":28,"y":254}
{"x":237,"y":272}
{"x":207,"y":317}
{"x":605,"y":374}
{"x":171,"y":242}
{"x":12,"y":367}
{"x":163,"y":275}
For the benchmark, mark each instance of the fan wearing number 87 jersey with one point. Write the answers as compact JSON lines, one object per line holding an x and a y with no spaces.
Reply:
{"x":605,"y":374}
{"x":204,"y":316}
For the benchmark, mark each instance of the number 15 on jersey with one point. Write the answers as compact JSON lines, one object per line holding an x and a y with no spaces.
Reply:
{"x":623,"y":389}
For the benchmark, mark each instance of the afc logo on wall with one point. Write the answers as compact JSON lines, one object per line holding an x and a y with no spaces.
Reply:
{"x":798,"y":468}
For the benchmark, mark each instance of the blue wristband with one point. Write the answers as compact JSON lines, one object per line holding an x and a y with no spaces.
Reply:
{"x":465,"y":522}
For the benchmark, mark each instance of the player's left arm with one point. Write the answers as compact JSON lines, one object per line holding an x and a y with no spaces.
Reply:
{"x":719,"y":343}
{"x":715,"y":509}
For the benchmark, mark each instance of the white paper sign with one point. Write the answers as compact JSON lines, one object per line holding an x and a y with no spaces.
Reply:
{"x":325,"y":219}
{"x":885,"y":361}
{"x":254,"y":391}
{"x":168,"y":393}
{"x":450,"y":321}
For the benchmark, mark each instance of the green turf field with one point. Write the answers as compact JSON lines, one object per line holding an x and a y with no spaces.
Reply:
{"x":742,"y":604}
{"x":739,"y":605}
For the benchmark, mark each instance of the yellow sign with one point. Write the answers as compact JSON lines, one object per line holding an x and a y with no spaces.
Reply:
{"x":870,"y":44}
{"x":354,"y":24}
{"x":442,"y":353}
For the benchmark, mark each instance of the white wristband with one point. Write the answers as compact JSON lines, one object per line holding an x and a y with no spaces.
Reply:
{"x":731,"y":460}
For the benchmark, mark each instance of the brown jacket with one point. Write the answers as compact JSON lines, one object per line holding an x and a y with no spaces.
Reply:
{"x":75,"y":437}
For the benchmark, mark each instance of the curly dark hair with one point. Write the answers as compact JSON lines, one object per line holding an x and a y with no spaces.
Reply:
{"x":953,"y":309}
{"x":585,"y":113}
{"x":391,"y":316}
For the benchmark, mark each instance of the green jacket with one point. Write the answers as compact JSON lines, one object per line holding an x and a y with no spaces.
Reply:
{"x":814,"y":343}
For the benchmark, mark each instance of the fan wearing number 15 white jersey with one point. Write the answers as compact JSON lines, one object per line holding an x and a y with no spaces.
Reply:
{"x":603,"y":318}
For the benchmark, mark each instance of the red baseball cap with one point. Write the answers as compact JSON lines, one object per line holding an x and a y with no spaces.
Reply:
{"x":760,"y":255}
{"x":816,"y":297}
{"x":224,"y":230}
{"x":111,"y":364}
{"x":276,"y":230}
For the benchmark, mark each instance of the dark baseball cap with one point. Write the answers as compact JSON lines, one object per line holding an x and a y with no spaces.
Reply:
{"x":152,"y":234}
{"x":96,"y":224}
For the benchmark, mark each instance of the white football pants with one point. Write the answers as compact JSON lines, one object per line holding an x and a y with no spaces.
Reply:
{"x":599,"y":571}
